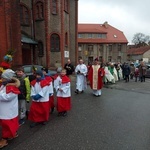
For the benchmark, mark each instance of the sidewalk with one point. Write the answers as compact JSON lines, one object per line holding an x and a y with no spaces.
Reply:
{"x":141,"y":87}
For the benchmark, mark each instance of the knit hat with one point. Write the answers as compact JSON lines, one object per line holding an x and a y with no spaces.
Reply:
{"x":8,"y":74}
{"x":39,"y":72}
{"x":59,"y":69}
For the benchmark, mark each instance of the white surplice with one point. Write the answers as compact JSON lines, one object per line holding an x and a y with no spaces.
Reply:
{"x":81,"y":83}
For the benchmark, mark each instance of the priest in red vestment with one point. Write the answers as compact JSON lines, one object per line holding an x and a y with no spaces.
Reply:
{"x":95,"y":77}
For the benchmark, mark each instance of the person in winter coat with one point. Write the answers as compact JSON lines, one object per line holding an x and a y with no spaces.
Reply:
{"x":24,"y":96}
{"x":9,"y":106}
{"x":126,"y":70}
{"x":142,"y":71}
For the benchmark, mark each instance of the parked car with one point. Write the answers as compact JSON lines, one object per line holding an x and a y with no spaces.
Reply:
{"x":148,"y":71}
{"x":28,"y":69}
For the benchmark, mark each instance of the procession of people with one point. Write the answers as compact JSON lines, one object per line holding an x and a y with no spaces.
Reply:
{"x":44,"y":93}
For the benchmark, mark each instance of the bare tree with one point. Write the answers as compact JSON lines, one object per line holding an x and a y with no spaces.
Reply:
{"x":141,"y":39}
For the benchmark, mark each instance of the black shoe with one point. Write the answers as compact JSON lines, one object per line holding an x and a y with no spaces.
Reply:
{"x":21,"y":122}
{"x":52,"y":110}
{"x":64,"y":114}
{"x":60,"y":114}
{"x":32,"y":125}
{"x":77,"y":92}
{"x":44,"y":123}
{"x":27,"y":113}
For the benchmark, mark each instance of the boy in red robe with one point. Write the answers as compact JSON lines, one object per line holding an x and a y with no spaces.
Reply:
{"x":62,"y":87}
{"x":39,"y":110}
{"x":51,"y":91}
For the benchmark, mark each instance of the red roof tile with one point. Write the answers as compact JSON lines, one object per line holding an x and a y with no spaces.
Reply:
{"x":113,"y":35}
{"x":138,"y":51}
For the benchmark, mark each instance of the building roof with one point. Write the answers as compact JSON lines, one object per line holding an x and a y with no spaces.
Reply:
{"x":27,"y":40}
{"x":113,"y":35}
{"x":138,"y":51}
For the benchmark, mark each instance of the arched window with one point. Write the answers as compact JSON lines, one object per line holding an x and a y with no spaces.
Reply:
{"x":55,"y":43}
{"x":40,"y":49}
{"x":39,"y":11}
{"x":54,"y":7}
{"x":24,"y":15}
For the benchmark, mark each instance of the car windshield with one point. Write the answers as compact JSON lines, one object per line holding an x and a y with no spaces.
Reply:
{"x":38,"y":67}
{"x":27,"y":69}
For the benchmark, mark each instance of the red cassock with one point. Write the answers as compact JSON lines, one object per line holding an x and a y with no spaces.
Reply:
{"x":51,"y":101}
{"x":39,"y":111}
{"x":9,"y":127}
{"x":63,"y":104}
{"x":100,"y":75}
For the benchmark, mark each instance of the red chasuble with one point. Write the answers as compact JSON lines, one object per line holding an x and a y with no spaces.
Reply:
{"x":95,"y":76}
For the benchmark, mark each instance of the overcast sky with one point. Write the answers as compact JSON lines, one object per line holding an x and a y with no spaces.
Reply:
{"x":130,"y":16}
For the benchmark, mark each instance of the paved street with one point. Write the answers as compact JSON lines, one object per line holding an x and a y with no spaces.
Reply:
{"x":118,"y":120}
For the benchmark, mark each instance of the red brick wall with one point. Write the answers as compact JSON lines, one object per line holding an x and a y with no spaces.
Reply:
{"x":3,"y":35}
{"x":10,"y":29}
{"x":16,"y":32}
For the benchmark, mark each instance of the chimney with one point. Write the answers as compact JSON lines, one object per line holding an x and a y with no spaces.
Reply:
{"x":105,"y":24}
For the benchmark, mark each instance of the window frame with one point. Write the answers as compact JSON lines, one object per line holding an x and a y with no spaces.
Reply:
{"x":55,"y":43}
{"x":80,"y":35}
{"x":40,"y":50}
{"x":54,"y":7}
{"x":110,"y":47}
{"x":90,"y":49}
{"x":119,"y":47}
{"x":39,"y":11}
{"x":109,"y":58}
{"x":99,"y":35}
{"x":24,"y":15}
{"x":90,"y":35}
{"x":119,"y":58}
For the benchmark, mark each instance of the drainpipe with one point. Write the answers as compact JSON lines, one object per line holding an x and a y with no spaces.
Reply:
{"x":32,"y":21}
{"x":34,"y":61}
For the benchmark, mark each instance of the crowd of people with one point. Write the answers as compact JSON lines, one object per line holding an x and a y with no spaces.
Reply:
{"x":17,"y":90}
{"x":39,"y":90}
{"x":126,"y":71}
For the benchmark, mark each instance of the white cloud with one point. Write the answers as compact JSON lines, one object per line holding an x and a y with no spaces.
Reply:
{"x":131,"y":17}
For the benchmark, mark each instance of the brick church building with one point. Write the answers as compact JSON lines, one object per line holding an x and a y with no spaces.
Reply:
{"x":41,"y":32}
